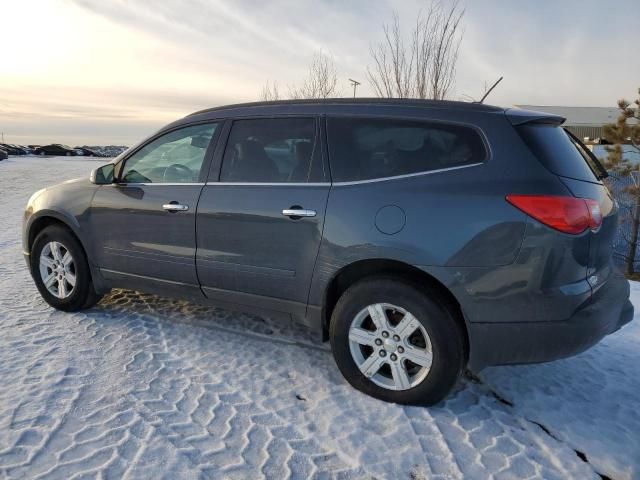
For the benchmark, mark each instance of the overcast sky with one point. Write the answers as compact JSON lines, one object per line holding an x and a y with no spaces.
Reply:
{"x":114,"y":71}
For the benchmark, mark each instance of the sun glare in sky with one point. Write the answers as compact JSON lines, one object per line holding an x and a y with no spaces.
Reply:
{"x":110,"y":71}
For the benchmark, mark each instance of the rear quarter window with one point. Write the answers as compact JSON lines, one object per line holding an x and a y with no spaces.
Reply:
{"x":555,"y":149}
{"x":370,"y":148}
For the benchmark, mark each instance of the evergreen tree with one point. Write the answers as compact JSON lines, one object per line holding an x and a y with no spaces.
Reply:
{"x":625,"y":135}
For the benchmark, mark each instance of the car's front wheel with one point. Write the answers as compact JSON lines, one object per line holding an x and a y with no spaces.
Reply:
{"x":60,"y":270}
{"x":396,"y":342}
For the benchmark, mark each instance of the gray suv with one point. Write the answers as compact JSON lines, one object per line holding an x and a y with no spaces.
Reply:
{"x":421,"y":238}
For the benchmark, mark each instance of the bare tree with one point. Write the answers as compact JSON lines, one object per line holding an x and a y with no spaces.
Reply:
{"x":392,"y":75}
{"x":320,"y":82}
{"x":426,"y":68}
{"x":270,"y":92}
{"x":444,"y":56}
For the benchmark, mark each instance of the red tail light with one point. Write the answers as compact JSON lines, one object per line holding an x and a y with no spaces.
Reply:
{"x":566,"y":214}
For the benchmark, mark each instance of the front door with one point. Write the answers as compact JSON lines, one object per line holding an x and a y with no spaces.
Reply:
{"x":259,"y":227}
{"x":144,"y":224}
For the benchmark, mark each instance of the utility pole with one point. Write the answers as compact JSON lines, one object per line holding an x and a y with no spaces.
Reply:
{"x":355,"y":84}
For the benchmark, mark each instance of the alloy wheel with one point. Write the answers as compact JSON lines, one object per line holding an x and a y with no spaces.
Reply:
{"x":390,"y":346}
{"x":57,"y":270}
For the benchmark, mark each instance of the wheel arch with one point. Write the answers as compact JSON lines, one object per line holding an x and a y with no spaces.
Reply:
{"x":360,"y":269}
{"x":44,"y":220}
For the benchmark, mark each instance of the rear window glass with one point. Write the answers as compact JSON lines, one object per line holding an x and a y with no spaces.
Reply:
{"x":558,"y":152}
{"x":366,"y":148}
{"x":272,"y":150}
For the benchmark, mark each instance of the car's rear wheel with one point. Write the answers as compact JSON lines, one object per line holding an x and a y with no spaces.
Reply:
{"x":60,"y":270}
{"x":396,"y":342}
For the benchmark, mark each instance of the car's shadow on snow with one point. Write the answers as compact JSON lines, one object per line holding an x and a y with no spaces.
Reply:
{"x":187,"y":313}
{"x":123,"y":305}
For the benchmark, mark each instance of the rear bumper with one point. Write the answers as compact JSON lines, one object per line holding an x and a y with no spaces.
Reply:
{"x":534,"y":342}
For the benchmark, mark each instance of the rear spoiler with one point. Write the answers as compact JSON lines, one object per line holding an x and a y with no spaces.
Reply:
{"x":518,"y":116}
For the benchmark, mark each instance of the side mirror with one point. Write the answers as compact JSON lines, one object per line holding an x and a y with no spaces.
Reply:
{"x":102,"y":175}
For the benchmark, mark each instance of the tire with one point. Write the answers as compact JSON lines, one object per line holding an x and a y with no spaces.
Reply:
{"x":428,"y":385}
{"x":82,"y":294}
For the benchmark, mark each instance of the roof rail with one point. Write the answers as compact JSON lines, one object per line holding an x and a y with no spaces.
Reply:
{"x":360,"y":101}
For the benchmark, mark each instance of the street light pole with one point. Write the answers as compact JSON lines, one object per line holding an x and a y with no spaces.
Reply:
{"x":355,"y":84}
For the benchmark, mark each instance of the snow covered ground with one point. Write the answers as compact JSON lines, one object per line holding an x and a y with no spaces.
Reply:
{"x":144,"y":387}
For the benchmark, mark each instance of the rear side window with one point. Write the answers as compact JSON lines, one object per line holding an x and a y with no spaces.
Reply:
{"x":558,"y":152}
{"x":370,"y":148}
{"x":272,"y":150}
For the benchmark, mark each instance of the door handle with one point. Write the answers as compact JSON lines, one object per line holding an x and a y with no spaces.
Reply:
{"x":298,"y":212}
{"x":175,"y":207}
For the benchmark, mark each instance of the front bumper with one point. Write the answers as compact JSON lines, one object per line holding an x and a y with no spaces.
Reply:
{"x":534,"y":342}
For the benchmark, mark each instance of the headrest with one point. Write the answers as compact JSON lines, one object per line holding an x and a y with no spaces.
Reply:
{"x":303,"y":151}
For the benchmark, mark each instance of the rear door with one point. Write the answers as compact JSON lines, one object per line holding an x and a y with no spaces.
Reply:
{"x":260,"y":220}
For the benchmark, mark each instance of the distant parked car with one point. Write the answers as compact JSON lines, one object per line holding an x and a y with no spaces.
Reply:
{"x":55,"y":149}
{"x":13,"y":149}
{"x":109,"y":150}
{"x":87,"y":152}
{"x":22,"y":149}
{"x":3,"y":154}
{"x":7,"y":148}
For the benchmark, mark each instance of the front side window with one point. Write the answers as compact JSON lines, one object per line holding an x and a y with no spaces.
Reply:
{"x":272,"y":150}
{"x":369,"y":148}
{"x":175,"y":157}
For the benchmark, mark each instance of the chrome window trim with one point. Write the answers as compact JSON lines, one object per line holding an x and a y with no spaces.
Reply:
{"x":355,"y":182}
{"x":273,"y":184}
{"x":408,"y":175}
{"x":150,"y":184}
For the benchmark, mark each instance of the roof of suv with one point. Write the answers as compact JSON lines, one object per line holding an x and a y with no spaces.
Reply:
{"x":439,"y":104}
